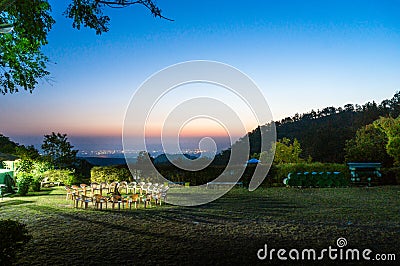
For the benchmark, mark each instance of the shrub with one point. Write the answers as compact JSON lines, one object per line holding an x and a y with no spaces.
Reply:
{"x":35,"y":184}
{"x":322,"y":179}
{"x":64,"y":176}
{"x":32,"y":168}
{"x":81,"y":179}
{"x":109,"y":174}
{"x":281,"y":171}
{"x":294,"y":180}
{"x":23,"y":184}
{"x":14,"y":236}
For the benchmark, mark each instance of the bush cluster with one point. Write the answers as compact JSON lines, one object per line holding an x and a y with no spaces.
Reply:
{"x":23,"y":183}
{"x":64,"y":176}
{"x":281,"y":171}
{"x":109,"y":174}
{"x":35,"y":183}
{"x":321,"y":179}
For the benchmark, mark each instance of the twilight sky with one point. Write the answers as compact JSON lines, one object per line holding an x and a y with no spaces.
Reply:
{"x":302,"y":54}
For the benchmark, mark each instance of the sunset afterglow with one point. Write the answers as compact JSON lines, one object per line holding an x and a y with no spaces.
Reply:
{"x":303,"y":55}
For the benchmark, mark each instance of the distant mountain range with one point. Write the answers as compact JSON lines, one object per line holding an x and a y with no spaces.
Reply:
{"x":104,"y":161}
{"x":7,"y":157}
{"x":163,"y":159}
{"x":159,"y":160}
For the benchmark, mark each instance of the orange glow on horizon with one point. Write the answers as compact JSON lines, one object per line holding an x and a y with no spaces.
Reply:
{"x":188,"y":132}
{"x":193,"y":129}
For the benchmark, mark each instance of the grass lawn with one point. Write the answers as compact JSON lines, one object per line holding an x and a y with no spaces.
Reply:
{"x":229,"y":230}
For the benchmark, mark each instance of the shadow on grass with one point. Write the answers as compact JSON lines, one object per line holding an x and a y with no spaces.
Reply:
{"x":218,"y":233}
{"x":13,"y":202}
{"x":239,"y":210}
{"x":130,"y":228}
{"x":42,"y":192}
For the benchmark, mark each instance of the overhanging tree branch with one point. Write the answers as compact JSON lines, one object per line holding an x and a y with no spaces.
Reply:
{"x":150,"y":5}
{"x":90,"y":12}
{"x":22,"y":62}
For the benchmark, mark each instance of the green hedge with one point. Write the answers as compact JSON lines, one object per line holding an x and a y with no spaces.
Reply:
{"x":316,"y":179}
{"x":66,"y":177}
{"x":109,"y":174}
{"x":281,"y":171}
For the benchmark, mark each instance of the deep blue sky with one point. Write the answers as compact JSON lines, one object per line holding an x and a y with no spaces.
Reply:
{"x":303,"y":55}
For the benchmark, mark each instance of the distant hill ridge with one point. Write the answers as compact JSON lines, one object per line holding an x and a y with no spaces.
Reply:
{"x":163,"y":159}
{"x":159,"y":160}
{"x":323,"y":133}
{"x":104,"y":161}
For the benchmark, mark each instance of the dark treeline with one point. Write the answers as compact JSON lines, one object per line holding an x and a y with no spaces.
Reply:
{"x":323,"y":133}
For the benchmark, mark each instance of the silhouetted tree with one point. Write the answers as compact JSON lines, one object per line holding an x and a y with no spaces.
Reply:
{"x":27,"y":152}
{"x":22,"y":62}
{"x":6,"y":145}
{"x":59,"y":151}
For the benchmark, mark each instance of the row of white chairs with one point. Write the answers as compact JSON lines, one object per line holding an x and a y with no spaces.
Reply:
{"x":135,"y":192}
{"x":126,"y":187}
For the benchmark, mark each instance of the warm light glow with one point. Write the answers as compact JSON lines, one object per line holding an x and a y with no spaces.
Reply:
{"x":203,"y":128}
